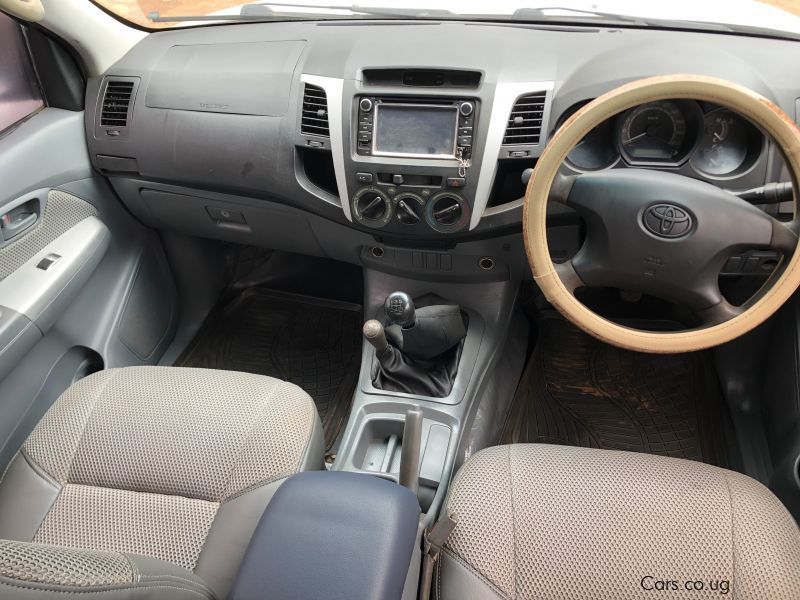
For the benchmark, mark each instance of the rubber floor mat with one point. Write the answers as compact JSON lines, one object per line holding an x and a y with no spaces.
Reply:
{"x":579,"y":391}
{"x":313,"y":343}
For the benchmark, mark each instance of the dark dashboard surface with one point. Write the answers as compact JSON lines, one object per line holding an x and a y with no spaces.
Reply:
{"x":284,"y":114}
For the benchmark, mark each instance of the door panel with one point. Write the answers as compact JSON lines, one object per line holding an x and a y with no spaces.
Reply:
{"x":72,"y":260}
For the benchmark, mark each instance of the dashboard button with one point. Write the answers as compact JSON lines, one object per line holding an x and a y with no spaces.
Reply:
{"x":397,"y":179}
{"x":364,"y":136}
{"x":365,"y":127}
{"x":464,"y":140}
{"x":456,"y":182}
{"x":465,"y":131}
{"x":364,"y":177}
{"x":365,"y":104}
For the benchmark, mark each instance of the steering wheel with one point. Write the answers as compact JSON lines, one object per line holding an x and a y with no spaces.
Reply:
{"x":657,"y":232}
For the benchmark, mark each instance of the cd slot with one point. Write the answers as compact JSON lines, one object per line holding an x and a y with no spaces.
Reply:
{"x":412,"y":180}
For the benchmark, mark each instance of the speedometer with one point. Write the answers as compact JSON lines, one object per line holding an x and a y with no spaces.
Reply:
{"x":657,"y":132}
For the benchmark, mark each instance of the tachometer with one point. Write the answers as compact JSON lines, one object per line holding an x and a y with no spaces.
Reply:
{"x":596,"y":150}
{"x":725,"y":144}
{"x":656,"y":132}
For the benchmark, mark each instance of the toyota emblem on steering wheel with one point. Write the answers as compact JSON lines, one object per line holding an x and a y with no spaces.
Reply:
{"x":667,"y":221}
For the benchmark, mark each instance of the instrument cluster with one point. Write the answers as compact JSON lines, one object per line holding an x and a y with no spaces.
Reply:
{"x":715,"y":142}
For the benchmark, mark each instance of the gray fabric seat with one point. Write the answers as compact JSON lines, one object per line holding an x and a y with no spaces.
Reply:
{"x":543,"y":522}
{"x":147,"y":482}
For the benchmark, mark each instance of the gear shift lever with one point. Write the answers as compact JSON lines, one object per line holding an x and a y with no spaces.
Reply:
{"x":400,"y":309}
{"x":418,"y":353}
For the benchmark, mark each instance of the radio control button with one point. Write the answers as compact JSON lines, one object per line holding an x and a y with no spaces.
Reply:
{"x":466,"y":108}
{"x":464,"y":140}
{"x":365,"y":127}
{"x":365,"y":104}
{"x":364,"y":136}
{"x":465,"y":131}
{"x":456,"y":182}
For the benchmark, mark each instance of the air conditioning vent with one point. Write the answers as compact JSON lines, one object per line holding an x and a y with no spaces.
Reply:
{"x":525,"y":122}
{"x":315,"y":112}
{"x":116,"y":103}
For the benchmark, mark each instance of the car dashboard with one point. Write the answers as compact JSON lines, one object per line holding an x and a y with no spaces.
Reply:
{"x":415,"y":133}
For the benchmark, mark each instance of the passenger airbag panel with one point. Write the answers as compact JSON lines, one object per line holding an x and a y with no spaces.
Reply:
{"x":245,"y":79}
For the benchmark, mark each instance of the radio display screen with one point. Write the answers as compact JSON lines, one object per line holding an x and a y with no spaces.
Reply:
{"x":415,"y":130}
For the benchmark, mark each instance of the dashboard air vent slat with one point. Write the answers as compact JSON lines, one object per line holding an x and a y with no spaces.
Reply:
{"x":525,"y":122}
{"x":314,"y":120}
{"x":116,"y":103}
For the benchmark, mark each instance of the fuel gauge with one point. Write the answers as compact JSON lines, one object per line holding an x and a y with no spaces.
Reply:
{"x":725,"y":144}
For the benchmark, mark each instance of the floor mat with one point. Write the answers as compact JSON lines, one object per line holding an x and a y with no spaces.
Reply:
{"x":313,"y":343}
{"x":579,"y":391}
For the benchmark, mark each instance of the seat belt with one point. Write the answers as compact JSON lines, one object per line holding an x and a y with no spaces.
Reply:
{"x":433,"y":544}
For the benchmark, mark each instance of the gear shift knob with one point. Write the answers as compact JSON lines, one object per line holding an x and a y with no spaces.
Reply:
{"x":400,"y":309}
{"x":374,"y":334}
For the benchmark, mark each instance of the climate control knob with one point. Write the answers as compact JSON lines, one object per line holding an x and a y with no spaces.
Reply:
{"x":408,"y":208}
{"x":447,"y":211}
{"x":372,"y":207}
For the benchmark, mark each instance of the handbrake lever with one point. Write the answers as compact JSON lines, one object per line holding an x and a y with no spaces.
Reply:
{"x":410,"y":450}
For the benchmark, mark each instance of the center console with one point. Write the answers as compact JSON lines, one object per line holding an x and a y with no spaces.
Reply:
{"x":410,"y":168}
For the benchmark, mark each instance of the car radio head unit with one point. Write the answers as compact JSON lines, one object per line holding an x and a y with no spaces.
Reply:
{"x":405,"y":128}
{"x":415,"y":130}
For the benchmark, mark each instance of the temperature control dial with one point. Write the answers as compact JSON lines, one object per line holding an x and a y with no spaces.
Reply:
{"x":372,"y":207}
{"x":447,"y":211}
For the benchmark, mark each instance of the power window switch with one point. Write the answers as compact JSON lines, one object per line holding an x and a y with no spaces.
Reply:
{"x":48,"y":261}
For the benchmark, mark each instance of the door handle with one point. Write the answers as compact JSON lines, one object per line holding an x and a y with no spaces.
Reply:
{"x":11,"y":227}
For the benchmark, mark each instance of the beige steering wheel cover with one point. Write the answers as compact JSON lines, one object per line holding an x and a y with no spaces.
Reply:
{"x":748,"y":103}
{"x":29,"y":10}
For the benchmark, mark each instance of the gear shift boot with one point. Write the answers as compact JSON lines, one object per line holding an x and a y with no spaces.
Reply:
{"x":418,"y":353}
{"x":437,"y":330}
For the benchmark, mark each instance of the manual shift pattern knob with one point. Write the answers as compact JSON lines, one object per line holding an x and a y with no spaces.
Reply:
{"x":400,"y":309}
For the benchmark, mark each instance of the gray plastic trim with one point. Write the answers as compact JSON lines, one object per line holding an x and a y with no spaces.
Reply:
{"x":506,"y":94}
{"x":333,"y":91}
{"x":32,"y":291}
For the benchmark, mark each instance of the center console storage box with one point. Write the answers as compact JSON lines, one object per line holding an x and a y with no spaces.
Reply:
{"x":331,"y":535}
